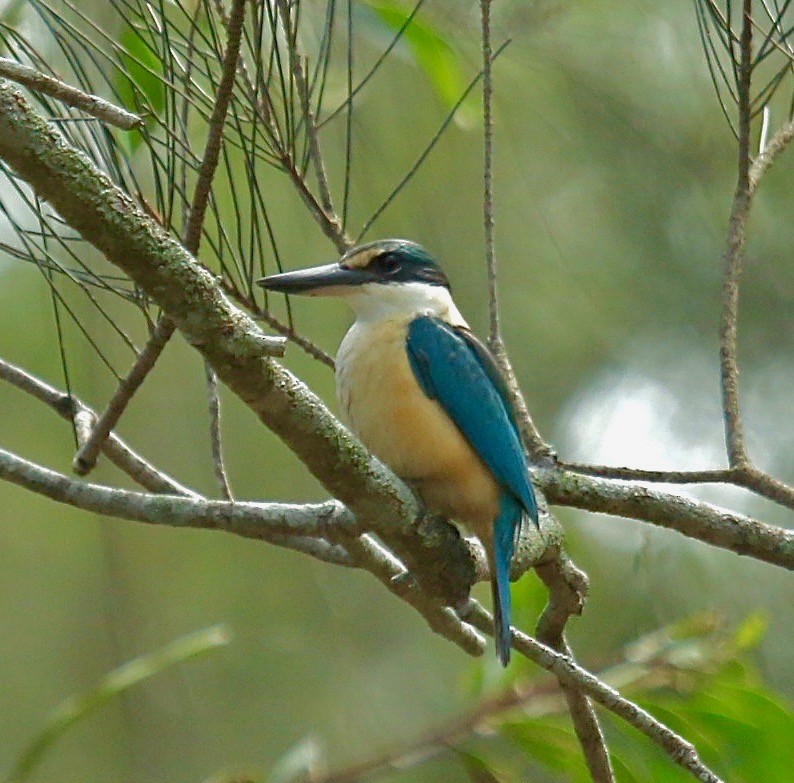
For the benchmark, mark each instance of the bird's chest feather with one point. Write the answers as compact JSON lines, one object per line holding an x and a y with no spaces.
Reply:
{"x":382,"y":402}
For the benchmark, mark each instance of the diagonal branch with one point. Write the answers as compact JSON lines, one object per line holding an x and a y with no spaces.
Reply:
{"x":567,"y":586}
{"x":71,"y":96}
{"x":574,"y":676}
{"x":232,"y":343}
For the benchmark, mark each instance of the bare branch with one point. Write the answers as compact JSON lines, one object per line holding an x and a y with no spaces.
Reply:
{"x":495,"y":332}
{"x":568,"y":672}
{"x":584,"y":718}
{"x":142,"y":471}
{"x":86,"y":456}
{"x":251,"y":520}
{"x":567,"y":587}
{"x":777,"y":144}
{"x":748,"y":477}
{"x":303,"y":94}
{"x":390,"y":572}
{"x":216,"y":447}
{"x":71,"y":96}
{"x":119,"y":453}
{"x":537,"y":699}
{"x":695,"y":519}
{"x":734,"y":258}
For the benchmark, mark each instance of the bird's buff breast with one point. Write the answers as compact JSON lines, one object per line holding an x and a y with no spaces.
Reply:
{"x":383,"y":404}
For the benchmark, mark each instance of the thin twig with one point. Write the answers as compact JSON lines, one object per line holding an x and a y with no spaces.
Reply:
{"x":214,"y":406}
{"x":117,"y":451}
{"x":428,"y":149}
{"x":86,"y":456}
{"x":303,"y":95}
{"x":734,"y":257}
{"x":538,"y":449}
{"x":567,"y":671}
{"x":85,"y":459}
{"x":283,"y":329}
{"x":71,"y":96}
{"x":495,"y":332}
{"x":777,"y":144}
{"x":748,"y":477}
{"x":328,"y":221}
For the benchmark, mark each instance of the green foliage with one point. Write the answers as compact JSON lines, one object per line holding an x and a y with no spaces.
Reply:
{"x":117,"y":682}
{"x":697,"y":679}
{"x":433,"y":53}
{"x":139,"y":82}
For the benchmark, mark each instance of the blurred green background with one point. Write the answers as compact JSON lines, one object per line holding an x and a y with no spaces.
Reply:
{"x":614,"y":172}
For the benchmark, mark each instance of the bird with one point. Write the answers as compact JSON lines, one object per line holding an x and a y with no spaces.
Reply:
{"x":426,"y":397}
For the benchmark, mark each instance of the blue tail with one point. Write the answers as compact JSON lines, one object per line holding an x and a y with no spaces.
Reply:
{"x":505,"y":532}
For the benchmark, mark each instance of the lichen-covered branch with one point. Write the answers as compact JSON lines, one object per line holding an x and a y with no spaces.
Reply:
{"x":252,"y":520}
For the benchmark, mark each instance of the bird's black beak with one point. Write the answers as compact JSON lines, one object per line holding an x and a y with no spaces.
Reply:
{"x":318,"y":280}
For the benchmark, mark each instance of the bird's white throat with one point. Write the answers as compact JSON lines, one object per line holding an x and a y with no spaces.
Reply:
{"x":379,"y":301}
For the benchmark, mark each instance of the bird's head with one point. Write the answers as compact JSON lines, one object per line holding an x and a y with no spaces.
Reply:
{"x":389,"y":276}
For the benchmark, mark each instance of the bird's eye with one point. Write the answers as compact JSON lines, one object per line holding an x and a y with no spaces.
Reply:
{"x":389,"y":263}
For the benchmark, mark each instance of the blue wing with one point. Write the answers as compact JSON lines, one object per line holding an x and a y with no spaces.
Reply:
{"x":453,"y":367}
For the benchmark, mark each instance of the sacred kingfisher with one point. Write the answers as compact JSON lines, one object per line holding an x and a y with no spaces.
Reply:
{"x":426,"y":397}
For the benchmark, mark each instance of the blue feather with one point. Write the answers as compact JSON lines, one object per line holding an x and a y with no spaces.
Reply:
{"x":455,"y":369}
{"x":468,"y":386}
{"x":506,"y":524}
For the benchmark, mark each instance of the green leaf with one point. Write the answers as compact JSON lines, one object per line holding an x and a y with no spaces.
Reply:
{"x":751,"y":631}
{"x":478,"y":770}
{"x":553,"y":746}
{"x":434,"y":55}
{"x":116,"y":682}
{"x":140,"y":83}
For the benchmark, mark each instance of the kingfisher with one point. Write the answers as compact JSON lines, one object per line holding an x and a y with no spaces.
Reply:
{"x":425,"y":396}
